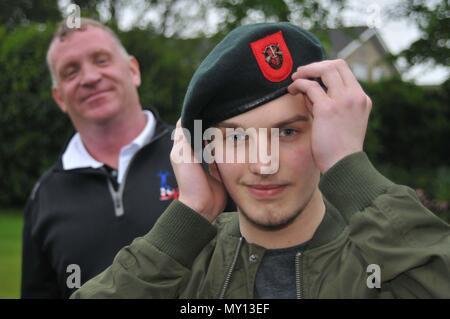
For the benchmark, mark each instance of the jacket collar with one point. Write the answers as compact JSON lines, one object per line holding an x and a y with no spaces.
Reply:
{"x":159,"y":130}
{"x":77,"y":156}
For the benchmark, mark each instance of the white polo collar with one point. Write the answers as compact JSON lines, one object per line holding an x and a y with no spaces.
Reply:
{"x":76,"y":156}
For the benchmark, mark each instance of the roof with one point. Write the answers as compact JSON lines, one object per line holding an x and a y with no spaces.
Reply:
{"x":341,"y":38}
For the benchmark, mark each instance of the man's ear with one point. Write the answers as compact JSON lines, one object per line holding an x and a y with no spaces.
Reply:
{"x":214,"y":171}
{"x":58,"y":99}
{"x":135,"y":71}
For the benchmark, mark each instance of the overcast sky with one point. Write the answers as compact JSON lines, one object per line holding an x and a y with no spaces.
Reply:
{"x":397,"y":35}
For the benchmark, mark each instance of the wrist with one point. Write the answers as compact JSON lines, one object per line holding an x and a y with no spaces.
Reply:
{"x":199,"y":207}
{"x":326,"y":165}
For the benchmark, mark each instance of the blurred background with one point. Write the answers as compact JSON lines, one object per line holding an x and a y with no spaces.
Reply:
{"x":398,"y":49}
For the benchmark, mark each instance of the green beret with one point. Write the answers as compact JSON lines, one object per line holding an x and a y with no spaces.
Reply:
{"x":251,"y":66}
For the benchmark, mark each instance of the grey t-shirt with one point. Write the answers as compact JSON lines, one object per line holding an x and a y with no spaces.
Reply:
{"x":275,"y":278}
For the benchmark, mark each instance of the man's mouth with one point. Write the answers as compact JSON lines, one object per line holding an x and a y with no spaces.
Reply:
{"x":95,"y":95}
{"x":266,"y":191}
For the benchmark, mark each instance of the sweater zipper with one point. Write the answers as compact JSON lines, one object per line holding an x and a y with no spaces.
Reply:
{"x":117,"y":196}
{"x":299,"y":274}
{"x":230,"y":270}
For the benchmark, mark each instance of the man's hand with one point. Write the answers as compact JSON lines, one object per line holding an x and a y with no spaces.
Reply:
{"x":198,"y":190}
{"x":340,"y":114}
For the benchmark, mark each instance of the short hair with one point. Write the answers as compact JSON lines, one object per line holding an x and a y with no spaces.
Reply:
{"x":63,"y":31}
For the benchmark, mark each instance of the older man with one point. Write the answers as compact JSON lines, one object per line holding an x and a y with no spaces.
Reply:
{"x":113,"y":178}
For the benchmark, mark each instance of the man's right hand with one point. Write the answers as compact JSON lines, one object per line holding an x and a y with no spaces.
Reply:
{"x":340,"y":114}
{"x":198,"y":189}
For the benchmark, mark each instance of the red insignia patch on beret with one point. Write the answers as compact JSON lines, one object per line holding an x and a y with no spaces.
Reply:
{"x":273,"y":57}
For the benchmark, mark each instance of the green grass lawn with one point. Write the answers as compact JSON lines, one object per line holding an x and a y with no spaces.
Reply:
{"x":10,"y":253}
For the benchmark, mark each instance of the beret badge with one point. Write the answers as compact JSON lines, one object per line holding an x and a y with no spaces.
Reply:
{"x":273,"y":57}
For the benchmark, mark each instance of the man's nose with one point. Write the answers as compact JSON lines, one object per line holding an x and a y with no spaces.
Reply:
{"x":264,"y":156}
{"x":267,"y":166}
{"x":90,"y":75}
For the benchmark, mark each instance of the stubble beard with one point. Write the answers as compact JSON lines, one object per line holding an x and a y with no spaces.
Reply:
{"x":283,"y":223}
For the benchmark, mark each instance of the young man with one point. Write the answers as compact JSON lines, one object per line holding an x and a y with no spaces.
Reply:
{"x":322,"y":224}
{"x":95,"y":198}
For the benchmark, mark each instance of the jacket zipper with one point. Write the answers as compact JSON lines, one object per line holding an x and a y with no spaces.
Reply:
{"x":230,"y":270}
{"x":117,"y":196}
{"x":299,"y":274}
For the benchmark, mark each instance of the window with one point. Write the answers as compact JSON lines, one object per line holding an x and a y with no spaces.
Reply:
{"x":377,"y":73}
{"x":360,"y":71}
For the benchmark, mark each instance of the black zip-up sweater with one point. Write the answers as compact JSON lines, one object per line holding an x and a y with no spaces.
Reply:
{"x":77,"y":217}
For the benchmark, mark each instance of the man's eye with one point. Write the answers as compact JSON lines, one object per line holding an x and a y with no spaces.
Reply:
{"x":287,"y":132}
{"x":69,"y":73}
{"x":101,"y":60}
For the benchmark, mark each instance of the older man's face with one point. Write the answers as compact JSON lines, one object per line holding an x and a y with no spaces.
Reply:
{"x":96,"y":81}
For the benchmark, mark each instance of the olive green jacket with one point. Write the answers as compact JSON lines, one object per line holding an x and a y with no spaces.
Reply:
{"x":369,"y":223}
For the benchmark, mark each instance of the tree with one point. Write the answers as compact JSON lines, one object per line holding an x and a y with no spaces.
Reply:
{"x":411,"y":124}
{"x":19,"y":12}
{"x":433,"y":21}
{"x":32,"y":129}
{"x":187,"y":18}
